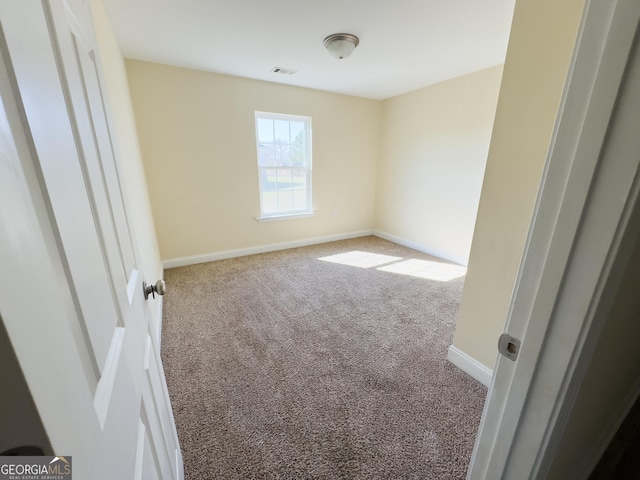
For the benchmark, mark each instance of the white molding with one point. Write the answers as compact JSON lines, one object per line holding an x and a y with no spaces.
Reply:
{"x":470,"y":365}
{"x":422,"y":248}
{"x":273,"y":247}
{"x":287,"y":216}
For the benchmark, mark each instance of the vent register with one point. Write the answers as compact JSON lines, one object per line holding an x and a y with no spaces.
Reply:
{"x":284,"y":71}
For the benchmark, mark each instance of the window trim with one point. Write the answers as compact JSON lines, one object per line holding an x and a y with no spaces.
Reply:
{"x":286,"y":216}
{"x":308,"y":167}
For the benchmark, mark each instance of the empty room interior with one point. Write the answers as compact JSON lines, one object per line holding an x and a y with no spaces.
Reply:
{"x":402,"y":160}
{"x":340,"y":224}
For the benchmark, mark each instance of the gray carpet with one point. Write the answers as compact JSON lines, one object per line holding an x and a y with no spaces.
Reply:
{"x":283,"y":366}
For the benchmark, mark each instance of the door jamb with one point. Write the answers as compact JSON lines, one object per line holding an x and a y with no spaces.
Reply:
{"x":596,"y":71}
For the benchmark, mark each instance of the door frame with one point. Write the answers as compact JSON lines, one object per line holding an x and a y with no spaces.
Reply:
{"x":529,"y":401}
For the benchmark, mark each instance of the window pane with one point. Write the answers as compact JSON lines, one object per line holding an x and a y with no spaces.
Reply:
{"x":270,"y":202}
{"x":284,"y":179}
{"x":265,"y":130}
{"x":297,"y":132}
{"x":282,"y":131}
{"x":266,"y":154}
{"x":299,"y":200}
{"x":299,"y":179}
{"x":268,"y":189}
{"x":283,"y":158}
{"x":282,"y":155}
{"x":285,"y":200}
{"x":297,"y":155}
{"x":268,"y":179}
{"x":299,"y":190}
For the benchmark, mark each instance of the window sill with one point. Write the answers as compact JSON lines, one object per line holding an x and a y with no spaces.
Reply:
{"x":288,"y":216}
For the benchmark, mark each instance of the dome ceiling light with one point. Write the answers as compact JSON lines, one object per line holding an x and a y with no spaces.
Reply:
{"x":341,"y":45}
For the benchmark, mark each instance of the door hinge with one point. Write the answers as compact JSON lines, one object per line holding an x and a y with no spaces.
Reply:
{"x":508,"y":346}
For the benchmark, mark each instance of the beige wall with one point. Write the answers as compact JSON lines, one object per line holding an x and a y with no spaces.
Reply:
{"x":197,"y":135}
{"x":433,"y":150}
{"x":542,"y":38}
{"x":128,"y":152}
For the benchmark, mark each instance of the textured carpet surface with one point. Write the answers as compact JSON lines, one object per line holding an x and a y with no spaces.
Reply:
{"x":285,"y":366}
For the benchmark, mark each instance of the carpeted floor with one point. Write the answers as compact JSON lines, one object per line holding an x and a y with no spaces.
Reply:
{"x":284,"y":366}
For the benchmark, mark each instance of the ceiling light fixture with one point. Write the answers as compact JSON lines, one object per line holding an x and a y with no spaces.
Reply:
{"x":341,"y":45}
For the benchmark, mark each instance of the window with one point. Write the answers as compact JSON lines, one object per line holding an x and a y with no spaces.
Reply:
{"x":284,"y":164}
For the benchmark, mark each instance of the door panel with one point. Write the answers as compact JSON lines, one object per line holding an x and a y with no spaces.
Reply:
{"x":147,"y":463}
{"x":58,"y":81}
{"x":37,"y":306}
{"x":86,"y":58}
{"x":61,"y":166}
{"x":160,"y":417}
{"x":72,"y":49}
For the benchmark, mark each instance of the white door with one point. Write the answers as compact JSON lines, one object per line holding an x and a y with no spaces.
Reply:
{"x":53,"y":82}
{"x":583,"y":229}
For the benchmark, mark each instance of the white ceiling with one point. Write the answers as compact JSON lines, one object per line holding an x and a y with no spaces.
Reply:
{"x":404,"y":44}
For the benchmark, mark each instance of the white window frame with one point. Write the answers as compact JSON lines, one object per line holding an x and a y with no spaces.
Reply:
{"x":307,"y":167}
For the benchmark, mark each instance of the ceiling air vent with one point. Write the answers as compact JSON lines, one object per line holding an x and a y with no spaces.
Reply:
{"x":284,"y":71}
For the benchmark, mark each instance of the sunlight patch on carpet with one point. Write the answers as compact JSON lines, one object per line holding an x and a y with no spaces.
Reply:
{"x":360,"y":259}
{"x":442,"y":272}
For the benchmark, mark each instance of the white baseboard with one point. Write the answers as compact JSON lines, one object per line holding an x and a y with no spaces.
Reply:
{"x":422,"y":248}
{"x":470,"y":365}
{"x":241,"y":252}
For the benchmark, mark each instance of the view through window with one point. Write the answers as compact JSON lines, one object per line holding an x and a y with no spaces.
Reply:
{"x":284,"y":164}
